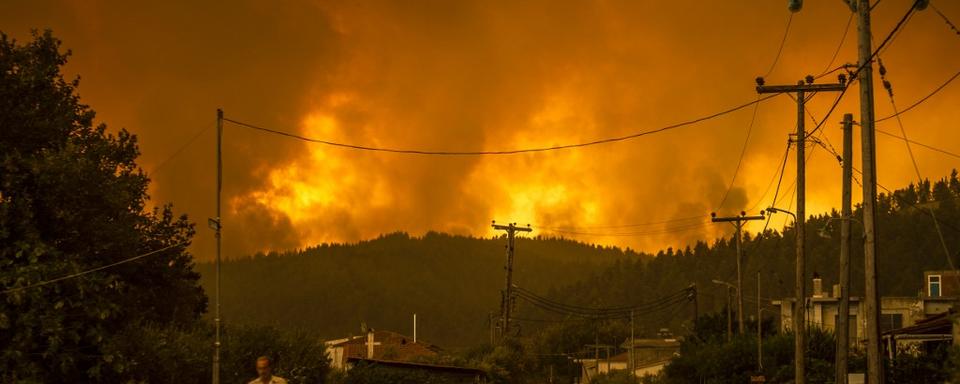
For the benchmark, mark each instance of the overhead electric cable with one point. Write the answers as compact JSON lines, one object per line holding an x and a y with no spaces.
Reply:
{"x":182,"y":147}
{"x":843,"y":38}
{"x":499,"y":152}
{"x":89,"y":271}
{"x":861,"y":66}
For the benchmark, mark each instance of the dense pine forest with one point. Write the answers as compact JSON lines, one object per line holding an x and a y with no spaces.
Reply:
{"x":453,"y":283}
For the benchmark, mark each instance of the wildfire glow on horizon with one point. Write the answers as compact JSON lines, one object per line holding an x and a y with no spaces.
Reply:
{"x":491,"y":76}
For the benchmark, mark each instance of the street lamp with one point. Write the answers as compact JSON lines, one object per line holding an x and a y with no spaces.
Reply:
{"x":775,"y":210}
{"x":799,"y":310}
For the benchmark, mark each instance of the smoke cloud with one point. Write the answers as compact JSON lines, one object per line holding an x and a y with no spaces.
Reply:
{"x":480,"y":75}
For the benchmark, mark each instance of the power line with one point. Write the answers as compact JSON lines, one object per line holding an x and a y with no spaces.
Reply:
{"x":861,"y":66}
{"x":915,"y":206}
{"x":930,"y":147}
{"x":620,"y":226}
{"x":743,"y":150}
{"x":945,"y":19}
{"x":918,"y":102}
{"x":916,"y":168}
{"x":499,"y":152}
{"x":89,"y":271}
{"x":846,"y":29}
{"x":181,"y":148}
{"x":773,"y":178}
{"x":783,"y":41}
{"x":604,"y":312}
{"x":662,"y":231}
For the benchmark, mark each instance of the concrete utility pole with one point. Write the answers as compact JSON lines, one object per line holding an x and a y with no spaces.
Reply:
{"x":799,"y":315}
{"x":843,"y":319}
{"x":506,"y":300}
{"x":738,"y":223}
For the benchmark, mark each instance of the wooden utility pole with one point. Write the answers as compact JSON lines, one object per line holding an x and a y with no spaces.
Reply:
{"x":759,"y":328}
{"x":507,"y":299}
{"x":738,"y":222}
{"x":843,"y":319}
{"x":799,"y":315}
{"x":869,"y":158}
{"x":633,"y":368}
{"x":729,"y":318}
{"x":695,"y":296}
{"x":215,"y":223}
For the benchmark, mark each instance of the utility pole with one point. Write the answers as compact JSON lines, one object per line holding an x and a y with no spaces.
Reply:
{"x":696,"y":305}
{"x":869,"y":158}
{"x":843,"y":319}
{"x":799,"y":315}
{"x":633,"y":368}
{"x":738,"y":222}
{"x":215,"y":223}
{"x":759,"y":328}
{"x":729,"y":318}
{"x":507,"y":299}
{"x":490,"y":320}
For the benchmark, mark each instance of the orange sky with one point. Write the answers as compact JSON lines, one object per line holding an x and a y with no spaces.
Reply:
{"x":485,"y":75}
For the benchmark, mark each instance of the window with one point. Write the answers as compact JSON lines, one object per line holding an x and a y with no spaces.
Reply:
{"x":890,"y":321}
{"x":933,"y":285}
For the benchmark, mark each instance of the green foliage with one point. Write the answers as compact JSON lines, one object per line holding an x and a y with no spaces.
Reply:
{"x":451,"y":282}
{"x":72,"y":198}
{"x":910,"y":246}
{"x":375,"y":374}
{"x":716,"y":361}
{"x":614,"y":377}
{"x":156,"y":354}
{"x":509,"y":362}
{"x":933,"y":364}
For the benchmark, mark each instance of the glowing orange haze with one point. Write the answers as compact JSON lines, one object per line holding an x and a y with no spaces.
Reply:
{"x":476,"y":75}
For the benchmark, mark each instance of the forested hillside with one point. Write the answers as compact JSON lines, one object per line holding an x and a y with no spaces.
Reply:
{"x":451,"y":282}
{"x":454,"y":282}
{"x":908,"y":245}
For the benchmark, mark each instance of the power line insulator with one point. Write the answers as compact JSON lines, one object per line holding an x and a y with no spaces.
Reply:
{"x":794,"y":5}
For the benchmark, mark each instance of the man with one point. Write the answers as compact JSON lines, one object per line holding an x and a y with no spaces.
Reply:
{"x":265,"y":373}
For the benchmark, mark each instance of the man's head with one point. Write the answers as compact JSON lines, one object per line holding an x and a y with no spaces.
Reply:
{"x":263,"y":367}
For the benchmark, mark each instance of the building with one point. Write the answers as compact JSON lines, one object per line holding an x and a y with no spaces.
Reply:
{"x":822,"y":308}
{"x":924,"y":335}
{"x":941,"y":283}
{"x":447,"y":373}
{"x":378,"y":345}
{"x":650,"y":356}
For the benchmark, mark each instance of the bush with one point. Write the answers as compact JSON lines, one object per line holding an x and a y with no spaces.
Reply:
{"x":155,"y":354}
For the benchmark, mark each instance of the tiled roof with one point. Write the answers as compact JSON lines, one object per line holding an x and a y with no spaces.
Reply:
{"x":389,"y":346}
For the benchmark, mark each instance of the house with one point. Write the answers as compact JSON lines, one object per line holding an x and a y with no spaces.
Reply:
{"x":445,"y":373}
{"x":925,"y":334}
{"x":650,"y":356}
{"x":378,"y":345}
{"x":822,"y":308}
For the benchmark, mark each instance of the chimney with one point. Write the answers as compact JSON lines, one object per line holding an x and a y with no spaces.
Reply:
{"x":370,"y":344}
{"x":817,"y":286}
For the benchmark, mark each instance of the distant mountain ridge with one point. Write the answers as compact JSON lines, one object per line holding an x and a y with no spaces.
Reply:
{"x":451,"y":282}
